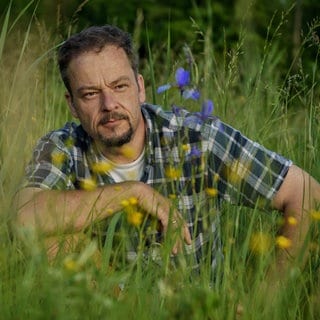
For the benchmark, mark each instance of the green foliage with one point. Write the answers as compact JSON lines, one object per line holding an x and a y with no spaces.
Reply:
{"x":254,"y":90}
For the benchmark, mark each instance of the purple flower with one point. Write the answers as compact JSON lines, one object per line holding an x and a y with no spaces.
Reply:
{"x":207,"y":109}
{"x":199,"y":117}
{"x":191,"y":94}
{"x":176,"y":110}
{"x":195,"y":152}
{"x":182,"y":78}
{"x":164,"y":88}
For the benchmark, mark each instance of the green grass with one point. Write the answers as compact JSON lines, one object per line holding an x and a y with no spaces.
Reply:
{"x":256,"y":100}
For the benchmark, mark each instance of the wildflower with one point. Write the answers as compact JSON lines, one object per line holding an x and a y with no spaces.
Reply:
{"x":292,"y":221}
{"x":176,"y":110}
{"x":88,"y":184}
{"x":185,"y":147}
{"x":69,"y":142}
{"x":216,"y":177}
{"x":200,"y":117}
{"x":315,"y":215}
{"x":101,"y":167}
{"x":128,"y":152}
{"x":182,"y":77}
{"x":58,"y":157}
{"x":237,"y":171}
{"x":133,"y":201}
{"x":70,"y":264}
{"x":125,"y":203}
{"x":195,"y":152}
{"x":164,"y":88}
{"x":283,"y":242}
{"x":260,"y":243}
{"x":135,"y":218}
{"x":109,"y":212}
{"x":172,"y":196}
{"x":191,"y":94}
{"x":212,"y":192}
{"x":172,"y":173}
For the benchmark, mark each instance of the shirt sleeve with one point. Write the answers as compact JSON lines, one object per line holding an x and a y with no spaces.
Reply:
{"x":248,"y":173}
{"x":49,"y":167}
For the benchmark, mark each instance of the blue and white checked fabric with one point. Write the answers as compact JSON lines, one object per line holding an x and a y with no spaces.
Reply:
{"x":242,"y":171}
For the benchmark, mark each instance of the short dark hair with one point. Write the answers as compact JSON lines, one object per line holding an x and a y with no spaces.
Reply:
{"x":94,"y":38}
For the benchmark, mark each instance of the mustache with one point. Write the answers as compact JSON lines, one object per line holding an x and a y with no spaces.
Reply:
{"x":113,"y":116}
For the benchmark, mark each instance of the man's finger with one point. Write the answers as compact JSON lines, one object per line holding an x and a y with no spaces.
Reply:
{"x":187,"y":235}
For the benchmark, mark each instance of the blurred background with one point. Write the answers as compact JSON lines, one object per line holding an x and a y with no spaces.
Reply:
{"x":189,"y":20}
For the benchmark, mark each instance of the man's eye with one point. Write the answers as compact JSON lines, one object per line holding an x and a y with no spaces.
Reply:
{"x":121,"y":87}
{"x":89,"y":94}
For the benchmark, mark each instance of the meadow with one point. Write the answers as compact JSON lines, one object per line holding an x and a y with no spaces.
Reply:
{"x":280,"y":111}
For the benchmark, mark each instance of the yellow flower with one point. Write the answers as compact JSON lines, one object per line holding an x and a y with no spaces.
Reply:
{"x":69,"y":142}
{"x":88,"y":184}
{"x":172,"y":172}
{"x":135,"y":218}
{"x":109,"y":212}
{"x":260,"y":243}
{"x":212,"y":192}
{"x":172,"y":196}
{"x":315,"y":215}
{"x":70,"y":264}
{"x":125,"y":203}
{"x":101,"y":167}
{"x":58,"y":157}
{"x":128,"y":152}
{"x":292,"y":221}
{"x":237,"y":171}
{"x":283,"y":242}
{"x":133,"y":201}
{"x":185,"y":147}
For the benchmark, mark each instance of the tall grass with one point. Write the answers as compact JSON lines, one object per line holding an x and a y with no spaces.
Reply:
{"x":85,"y":284}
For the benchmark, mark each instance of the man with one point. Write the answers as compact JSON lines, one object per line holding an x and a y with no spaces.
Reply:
{"x":151,"y":155}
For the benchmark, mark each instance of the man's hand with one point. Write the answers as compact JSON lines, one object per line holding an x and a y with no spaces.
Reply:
{"x":297,"y":196}
{"x":160,"y":207}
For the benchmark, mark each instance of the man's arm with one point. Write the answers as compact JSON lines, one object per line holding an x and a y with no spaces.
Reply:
{"x":297,"y":196}
{"x":55,"y":212}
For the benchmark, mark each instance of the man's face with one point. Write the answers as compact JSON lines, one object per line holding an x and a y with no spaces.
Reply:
{"x":106,"y":96}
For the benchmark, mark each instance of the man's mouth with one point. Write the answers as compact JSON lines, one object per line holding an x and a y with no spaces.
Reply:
{"x":112,"y":118}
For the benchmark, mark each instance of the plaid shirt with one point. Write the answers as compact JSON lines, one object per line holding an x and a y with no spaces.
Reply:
{"x":186,"y":159}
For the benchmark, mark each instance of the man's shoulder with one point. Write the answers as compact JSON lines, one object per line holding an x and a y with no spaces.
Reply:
{"x":160,"y":117}
{"x":179,"y":117}
{"x":69,"y":134}
{"x":152,"y":110}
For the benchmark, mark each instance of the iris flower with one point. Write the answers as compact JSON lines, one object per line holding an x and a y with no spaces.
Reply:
{"x":182,"y":77}
{"x":200,"y":117}
{"x":195,"y":152}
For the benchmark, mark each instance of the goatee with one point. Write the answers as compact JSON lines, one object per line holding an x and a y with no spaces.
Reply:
{"x":115,"y":140}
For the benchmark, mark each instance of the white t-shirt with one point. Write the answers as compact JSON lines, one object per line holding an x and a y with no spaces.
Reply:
{"x":127,"y":171}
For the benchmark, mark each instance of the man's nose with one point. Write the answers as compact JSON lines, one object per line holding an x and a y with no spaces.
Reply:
{"x":108,"y":101}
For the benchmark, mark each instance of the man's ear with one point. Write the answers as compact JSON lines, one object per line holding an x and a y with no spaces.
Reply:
{"x":72,"y":108}
{"x":142,"y":91}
